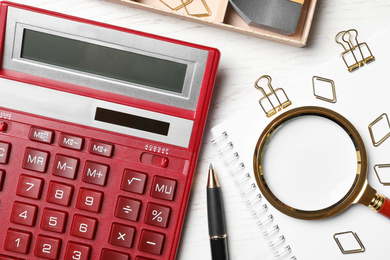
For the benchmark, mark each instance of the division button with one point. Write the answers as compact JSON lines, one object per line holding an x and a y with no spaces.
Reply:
{"x":127,"y":208}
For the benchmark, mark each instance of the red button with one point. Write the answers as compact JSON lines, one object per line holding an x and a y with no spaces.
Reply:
{"x":41,"y":135}
{"x":121,"y":235}
{"x":17,"y":241}
{"x":102,"y":149}
{"x":90,"y":200}
{"x":84,"y":227}
{"x":157,"y":215}
{"x":142,"y":258}
{"x":163,"y":188}
{"x":24,"y":214}
{"x":3,"y":126}
{"x":71,"y":141}
{"x":65,"y":166}
{"x":4,"y":152}
{"x":134,"y":181}
{"x":35,"y":160}
{"x":151,"y":242}
{"x":30,"y":187}
{"x":127,"y":208}
{"x":47,"y":247}
{"x":2,"y":177}
{"x":53,"y":220}
{"x":59,"y":193}
{"x":108,"y":254}
{"x":4,"y":257}
{"x":77,"y":251}
{"x":95,"y":173}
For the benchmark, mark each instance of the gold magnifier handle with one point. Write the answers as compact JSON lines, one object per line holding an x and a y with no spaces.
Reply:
{"x":379,"y":203}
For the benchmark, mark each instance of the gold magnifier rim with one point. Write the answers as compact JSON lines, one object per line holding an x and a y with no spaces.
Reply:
{"x":361,"y":156}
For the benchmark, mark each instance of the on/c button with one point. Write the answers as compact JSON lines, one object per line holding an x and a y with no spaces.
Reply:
{"x":155,"y":160}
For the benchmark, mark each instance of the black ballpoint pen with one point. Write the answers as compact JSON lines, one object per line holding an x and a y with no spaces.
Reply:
{"x":216,"y":218}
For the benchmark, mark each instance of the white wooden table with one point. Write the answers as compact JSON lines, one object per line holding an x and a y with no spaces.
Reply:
{"x":243,"y":60}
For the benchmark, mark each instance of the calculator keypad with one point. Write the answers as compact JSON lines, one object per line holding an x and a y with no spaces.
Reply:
{"x":68,"y":195}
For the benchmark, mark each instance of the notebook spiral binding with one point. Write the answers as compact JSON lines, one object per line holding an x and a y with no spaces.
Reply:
{"x":253,"y":198}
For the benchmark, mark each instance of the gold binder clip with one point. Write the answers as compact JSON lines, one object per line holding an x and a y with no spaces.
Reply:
{"x":183,"y":4}
{"x":354,"y":48}
{"x":272,"y":94}
{"x":207,"y":13}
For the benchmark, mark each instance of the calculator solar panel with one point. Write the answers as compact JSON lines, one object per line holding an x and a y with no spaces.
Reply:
{"x":96,"y":163}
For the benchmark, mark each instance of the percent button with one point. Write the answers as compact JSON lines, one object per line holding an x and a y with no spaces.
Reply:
{"x":157,"y":215}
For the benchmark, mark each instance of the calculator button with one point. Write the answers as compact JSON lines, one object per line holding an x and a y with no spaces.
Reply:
{"x":127,"y":208}
{"x":30,"y":187}
{"x":163,"y":188}
{"x":121,"y":235}
{"x":71,"y":141}
{"x":95,"y":173}
{"x":4,"y":257}
{"x":59,"y":193}
{"x":35,"y":160}
{"x":84,"y":227}
{"x":2,"y":177}
{"x":41,"y":135}
{"x":151,"y":242}
{"x":53,"y":220}
{"x":134,"y":181}
{"x":3,"y":128}
{"x":90,"y":200}
{"x":157,"y":215}
{"x":4,"y":152}
{"x":17,"y":241}
{"x":108,"y":254}
{"x":65,"y":166}
{"x":23,"y":213}
{"x":47,"y":247}
{"x":142,"y":258}
{"x":99,"y":148}
{"x":77,"y":251}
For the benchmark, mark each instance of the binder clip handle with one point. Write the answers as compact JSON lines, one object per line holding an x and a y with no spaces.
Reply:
{"x":274,"y":109}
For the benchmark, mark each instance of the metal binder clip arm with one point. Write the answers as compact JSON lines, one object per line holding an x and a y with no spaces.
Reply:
{"x":370,"y":57}
{"x":348,"y":50}
{"x":266,"y":97}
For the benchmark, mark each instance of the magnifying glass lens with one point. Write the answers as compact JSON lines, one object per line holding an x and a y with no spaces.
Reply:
{"x":309,"y":163}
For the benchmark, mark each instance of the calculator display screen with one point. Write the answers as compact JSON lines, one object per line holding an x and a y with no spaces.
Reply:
{"x":131,"y":121}
{"x":103,"y":61}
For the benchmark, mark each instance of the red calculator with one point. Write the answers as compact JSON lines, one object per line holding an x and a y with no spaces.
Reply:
{"x":100,"y":129}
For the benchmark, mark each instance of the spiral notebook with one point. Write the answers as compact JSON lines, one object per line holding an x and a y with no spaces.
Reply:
{"x":358,"y":232}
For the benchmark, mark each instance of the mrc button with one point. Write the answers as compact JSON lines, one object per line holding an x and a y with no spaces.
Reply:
{"x":156,"y":160}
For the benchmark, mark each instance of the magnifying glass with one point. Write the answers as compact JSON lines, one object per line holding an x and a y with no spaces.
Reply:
{"x":311,"y":163}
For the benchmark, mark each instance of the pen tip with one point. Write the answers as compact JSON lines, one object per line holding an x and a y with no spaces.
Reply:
{"x":212,"y":180}
{"x":211,"y":167}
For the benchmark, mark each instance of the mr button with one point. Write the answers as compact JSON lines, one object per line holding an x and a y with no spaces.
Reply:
{"x":163,"y":188}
